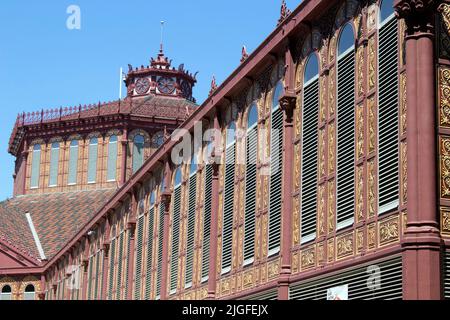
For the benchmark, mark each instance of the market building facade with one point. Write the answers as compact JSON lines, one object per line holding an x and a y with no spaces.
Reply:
{"x":329,"y":177}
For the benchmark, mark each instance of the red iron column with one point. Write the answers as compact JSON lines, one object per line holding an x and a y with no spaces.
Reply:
{"x":422,"y":242}
{"x":166,"y":198}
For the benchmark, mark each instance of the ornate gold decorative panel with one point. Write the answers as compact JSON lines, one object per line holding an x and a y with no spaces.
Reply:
{"x":371,"y":188}
{"x":444,"y":96}
{"x":308,"y":258}
{"x":331,"y":147}
{"x":321,"y":219}
{"x":359,"y":131}
{"x":445,"y":221}
{"x":371,"y":236}
{"x":372,"y":63}
{"x":404,"y":171}
{"x":331,"y":206}
{"x":344,"y":246}
{"x":445,"y":166}
{"x":359,"y":193}
{"x":389,"y":230}
{"x":296,"y":222}
{"x":371,"y":124}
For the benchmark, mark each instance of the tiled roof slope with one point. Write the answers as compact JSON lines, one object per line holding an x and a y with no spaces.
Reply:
{"x":14,"y":229}
{"x":57,"y":217}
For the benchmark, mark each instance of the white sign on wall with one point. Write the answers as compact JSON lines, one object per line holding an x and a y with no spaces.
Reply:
{"x":338,"y":293}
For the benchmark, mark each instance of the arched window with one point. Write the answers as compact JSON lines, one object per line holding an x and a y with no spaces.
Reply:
{"x":346,"y":127}
{"x":92,"y":161}
{"x":311,"y":70}
{"x":190,"y":240}
{"x":227,"y":230}
{"x":29,"y":293}
{"x":112,"y":158}
{"x":138,"y":152}
{"x":250,"y":184}
{"x":73,"y":162}
{"x":276,"y":171}
{"x":6,"y":293}
{"x":176,"y":216}
{"x":387,"y":10}
{"x":346,"y":40}
{"x":388,"y":110}
{"x":310,"y":120}
{"x":54,"y":160}
{"x":35,"y":166}
{"x":207,"y":214}
{"x":158,"y":139}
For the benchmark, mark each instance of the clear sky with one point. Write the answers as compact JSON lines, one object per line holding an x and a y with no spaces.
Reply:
{"x":43,"y":64}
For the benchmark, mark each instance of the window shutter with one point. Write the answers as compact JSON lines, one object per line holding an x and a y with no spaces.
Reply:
{"x":139,"y":253}
{"x":35,"y":167}
{"x":250,"y":195}
{"x":127,"y":269}
{"x":111,"y":268}
{"x":191,"y":230}
{"x":97,"y":270}
{"x":227,"y":230}
{"x":160,"y":249}
{"x":73,"y":164}
{"x":112,"y":160}
{"x":268,"y":295}
{"x":92,"y":162}
{"x":276,"y":175}
{"x":359,"y":281}
{"x":138,"y":155}
{"x":346,"y":140}
{"x":119,"y":267}
{"x":54,"y":160}
{"x":446,"y":258}
{"x":175,"y":239}
{"x":310,"y":142}
{"x":388,"y":117}
{"x":207,"y":222}
{"x":148,"y":275}
{"x":89,"y":290}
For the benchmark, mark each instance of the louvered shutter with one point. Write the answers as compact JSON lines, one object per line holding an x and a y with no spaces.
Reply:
{"x":175,"y":239}
{"x":346,"y":139}
{"x":309,"y":161}
{"x":119,"y":267}
{"x":139,"y":253}
{"x":97,"y":270}
{"x":446,"y":265}
{"x":112,"y":160}
{"x":276,"y":175}
{"x":227,"y":230}
{"x":360,"y":281}
{"x":35,"y":167}
{"x":250,"y":195}
{"x":92,"y":162}
{"x":388,"y":117}
{"x":111,"y":269}
{"x":148,"y":273}
{"x":207,"y":222}
{"x":54,"y":160}
{"x":73,"y":163}
{"x":160,"y":249}
{"x":191,"y":230}
{"x":89,"y":290}
{"x":127,"y":269}
{"x":268,"y":295}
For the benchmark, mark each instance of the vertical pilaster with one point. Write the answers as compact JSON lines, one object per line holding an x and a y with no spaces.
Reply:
{"x":422,"y":241}
{"x":131,"y":227}
{"x":287,"y":102}
{"x":166,"y":198}
{"x":212,"y":279}
{"x":85,"y":265}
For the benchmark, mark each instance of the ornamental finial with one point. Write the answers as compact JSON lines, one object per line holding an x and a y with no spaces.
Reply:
{"x":285,"y":12}
{"x":213,"y":85}
{"x":244,"y":54}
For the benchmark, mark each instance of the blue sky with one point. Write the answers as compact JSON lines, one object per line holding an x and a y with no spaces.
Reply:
{"x":45,"y":65}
